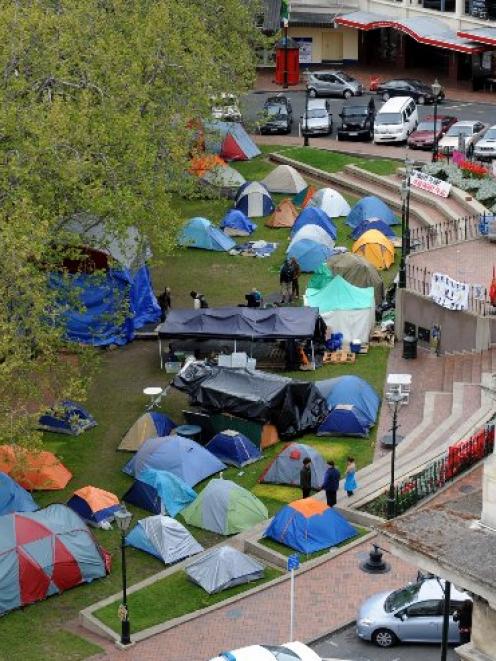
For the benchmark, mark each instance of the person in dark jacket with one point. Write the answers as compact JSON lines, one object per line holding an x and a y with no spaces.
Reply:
{"x":306,"y":477}
{"x":286,"y":282}
{"x":165,"y":302}
{"x":331,"y":483}
{"x":295,"y":283}
{"x":464,"y":618}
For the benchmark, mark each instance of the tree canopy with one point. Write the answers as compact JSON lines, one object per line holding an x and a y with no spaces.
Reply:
{"x":98,"y":103}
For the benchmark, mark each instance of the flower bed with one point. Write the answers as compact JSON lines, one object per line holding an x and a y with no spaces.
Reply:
{"x":468,"y":176}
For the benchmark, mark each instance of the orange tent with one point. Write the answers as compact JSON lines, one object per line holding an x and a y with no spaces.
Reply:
{"x":201,"y":164}
{"x":283,"y":216}
{"x":34,"y":470}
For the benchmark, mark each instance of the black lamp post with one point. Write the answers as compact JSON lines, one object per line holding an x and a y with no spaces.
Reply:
{"x":394,"y":402}
{"x":306,"y":140}
{"x":436,"y":89}
{"x":123,"y":519}
{"x":446,"y":619}
{"x":285,"y":25}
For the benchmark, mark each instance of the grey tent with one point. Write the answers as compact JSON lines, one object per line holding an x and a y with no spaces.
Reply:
{"x":224,"y":567}
{"x":163,"y":537}
{"x":286,"y":467}
{"x":357,"y":271}
{"x":224,"y":178}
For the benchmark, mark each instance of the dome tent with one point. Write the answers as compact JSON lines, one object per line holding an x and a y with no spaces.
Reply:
{"x":353,"y":406}
{"x":230,"y":141}
{"x":163,"y":537}
{"x":309,"y":254}
{"x":373,"y":224}
{"x":284,"y":215}
{"x":159,"y":492}
{"x":235,"y":223}
{"x":357,"y":271}
{"x":223,"y":567}
{"x":313,"y":216}
{"x":68,"y":418}
{"x":148,"y":425}
{"x":370,"y":207}
{"x":286,"y":466}
{"x":13,"y":498}
{"x":284,"y":179}
{"x":223,"y":177}
{"x":225,"y":508}
{"x":254,"y":200}
{"x":331,"y":202}
{"x":234,"y":448}
{"x":200,"y":233}
{"x":312,"y":233}
{"x":375,"y":248}
{"x":95,"y":506}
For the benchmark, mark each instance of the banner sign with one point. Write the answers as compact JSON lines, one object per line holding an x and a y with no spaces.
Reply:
{"x":449,"y":293}
{"x":305,"y":44}
{"x":429,"y":183}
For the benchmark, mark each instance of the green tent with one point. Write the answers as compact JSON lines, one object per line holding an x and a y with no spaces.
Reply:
{"x":225,"y":508}
{"x":320,"y":278}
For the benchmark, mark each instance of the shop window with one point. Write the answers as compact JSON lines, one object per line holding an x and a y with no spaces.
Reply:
{"x":440,"y":5}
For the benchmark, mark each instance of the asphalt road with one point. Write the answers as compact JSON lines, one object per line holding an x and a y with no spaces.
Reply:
{"x":346,"y":645}
{"x":252,"y":105}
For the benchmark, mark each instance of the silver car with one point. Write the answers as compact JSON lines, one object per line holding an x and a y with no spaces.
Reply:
{"x":486,"y":147}
{"x":412,"y":614}
{"x":333,"y":83}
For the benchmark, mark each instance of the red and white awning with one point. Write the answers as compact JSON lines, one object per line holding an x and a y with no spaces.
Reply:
{"x":425,"y":30}
{"x":480,"y":35}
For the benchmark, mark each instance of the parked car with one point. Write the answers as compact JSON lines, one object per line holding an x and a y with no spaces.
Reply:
{"x":463,"y":134}
{"x":486,"y":146}
{"x":317,"y":119}
{"x":226,"y":108}
{"x":419,"y":91}
{"x":357,"y":120}
{"x":276,"y":118}
{"x":288,"y":652}
{"x":423,"y":136}
{"x":413,"y":614}
{"x":333,"y":83}
{"x":396,"y":120}
{"x":279,"y":99}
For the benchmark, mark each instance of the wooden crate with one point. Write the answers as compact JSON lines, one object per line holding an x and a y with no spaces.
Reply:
{"x":338,"y":357}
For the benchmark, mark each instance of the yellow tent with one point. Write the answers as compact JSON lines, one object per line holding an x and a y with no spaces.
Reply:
{"x":376,"y":248}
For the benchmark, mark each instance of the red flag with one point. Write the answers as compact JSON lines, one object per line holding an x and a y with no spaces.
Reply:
{"x":492,"y":289}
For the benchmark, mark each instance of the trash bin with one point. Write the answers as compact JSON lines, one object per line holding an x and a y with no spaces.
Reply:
{"x":409,"y":347}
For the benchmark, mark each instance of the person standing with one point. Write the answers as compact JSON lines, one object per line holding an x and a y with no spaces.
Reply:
{"x":331,"y":483}
{"x":350,"y":484}
{"x":286,"y":282}
{"x":306,"y":477}
{"x":464,"y":618}
{"x":165,"y":302}
{"x":295,"y":283}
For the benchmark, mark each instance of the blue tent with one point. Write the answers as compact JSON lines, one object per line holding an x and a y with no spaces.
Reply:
{"x":163,"y":537}
{"x":370,"y":207}
{"x":180,"y":456}
{"x":200,"y":233}
{"x":353,"y":406}
{"x":254,"y":200}
{"x":68,"y":418}
{"x":309,"y":254}
{"x":235,"y":223}
{"x":308,"y":526}
{"x":373,"y":224}
{"x":13,"y":498}
{"x":158,"y":491}
{"x":233,"y":448}
{"x":314,"y":216}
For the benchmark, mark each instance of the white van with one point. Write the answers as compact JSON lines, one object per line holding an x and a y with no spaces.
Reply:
{"x":396,"y":119}
{"x":319,"y":119}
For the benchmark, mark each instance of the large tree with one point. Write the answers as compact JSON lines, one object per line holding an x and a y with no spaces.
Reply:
{"x":97,"y":99}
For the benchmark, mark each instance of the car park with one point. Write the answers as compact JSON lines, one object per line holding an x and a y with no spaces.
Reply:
{"x":411,"y":614}
{"x":423,"y":136}
{"x":317,"y":118}
{"x":485,"y":148}
{"x":226,"y":108}
{"x":464,"y":135}
{"x":417,"y":90}
{"x":357,"y":120}
{"x":294,"y":651}
{"x":396,"y":120}
{"x":333,"y":83}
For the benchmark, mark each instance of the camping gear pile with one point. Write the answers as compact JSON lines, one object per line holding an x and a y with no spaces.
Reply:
{"x":67,"y":418}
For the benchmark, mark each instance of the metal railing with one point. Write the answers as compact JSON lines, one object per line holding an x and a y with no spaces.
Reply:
{"x":448,"y":232}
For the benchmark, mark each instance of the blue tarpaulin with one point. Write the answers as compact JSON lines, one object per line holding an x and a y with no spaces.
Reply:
{"x":235,"y":223}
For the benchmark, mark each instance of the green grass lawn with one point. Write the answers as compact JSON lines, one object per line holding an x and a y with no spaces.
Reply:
{"x":173,"y":597}
{"x":331,"y":161}
{"x":305,"y":557}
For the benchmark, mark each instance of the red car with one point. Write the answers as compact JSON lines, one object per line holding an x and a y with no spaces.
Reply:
{"x":423,"y":136}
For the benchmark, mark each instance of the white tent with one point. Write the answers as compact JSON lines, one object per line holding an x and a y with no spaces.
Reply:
{"x":163,"y":537}
{"x":222,"y":568}
{"x":313,"y":233}
{"x":285,"y":179}
{"x":330,"y":201}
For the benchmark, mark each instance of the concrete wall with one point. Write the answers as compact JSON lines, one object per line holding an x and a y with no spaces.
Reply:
{"x":349,"y":37}
{"x":484,"y":628}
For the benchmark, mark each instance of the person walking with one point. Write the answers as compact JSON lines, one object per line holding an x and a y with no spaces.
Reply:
{"x":286,"y":282}
{"x":306,"y":477}
{"x":295,"y":283}
{"x":165,"y":302}
{"x":350,"y":484}
{"x":464,"y":618}
{"x":331,"y":483}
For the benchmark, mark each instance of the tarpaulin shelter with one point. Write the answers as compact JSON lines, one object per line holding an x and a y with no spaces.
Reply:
{"x":345,"y":308}
{"x":375,"y":248}
{"x":330,"y":201}
{"x":180,"y":456}
{"x":353,"y":406}
{"x":110,"y":283}
{"x":233,"y":448}
{"x":230,"y":141}
{"x":67,"y":418}
{"x":309,"y":526}
{"x":373,"y":224}
{"x":254,"y":200}
{"x":44,"y":553}
{"x":313,"y":216}
{"x":225,"y":508}
{"x":200,"y":233}
{"x":357,"y":271}
{"x":284,"y":179}
{"x":284,"y":215}
{"x":148,"y":425}
{"x":94,"y":505}
{"x":286,"y":466}
{"x":159,"y":492}
{"x":309,"y":254}
{"x":222,"y":568}
{"x":40,"y":471}
{"x":235,"y":223}
{"x":292,"y":406}
{"x":163,"y":537}
{"x":13,"y":498}
{"x":370,"y":207}
{"x":312,"y":233}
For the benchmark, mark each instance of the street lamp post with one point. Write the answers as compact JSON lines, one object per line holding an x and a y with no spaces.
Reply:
{"x":436,"y":89}
{"x":285,"y":81}
{"x":405,"y":224}
{"x":394,"y":402}
{"x":123,"y":519}
{"x":306,"y":140}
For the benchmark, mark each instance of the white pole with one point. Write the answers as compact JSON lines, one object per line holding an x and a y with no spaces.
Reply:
{"x":291,"y":617}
